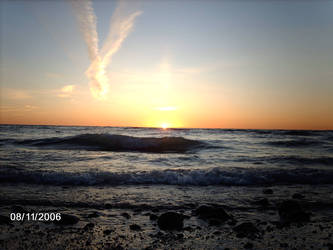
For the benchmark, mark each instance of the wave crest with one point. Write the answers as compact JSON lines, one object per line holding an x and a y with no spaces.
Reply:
{"x":110,"y":142}
{"x":182,"y":177}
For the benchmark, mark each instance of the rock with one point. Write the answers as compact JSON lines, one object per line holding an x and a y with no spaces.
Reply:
{"x":170,"y":221}
{"x":214,"y":222}
{"x":211,"y":213}
{"x":153,"y":217}
{"x":180,"y":236}
{"x":298,"y":196}
{"x":246,"y":229}
{"x":126,"y":215}
{"x":232,"y":222}
{"x":4,"y":220}
{"x":190,"y":205}
{"x":267,"y":191}
{"x":186,"y":216}
{"x":93,"y":215}
{"x":330,"y":246}
{"x":67,"y":219}
{"x":138,"y":210}
{"x":189,"y":229}
{"x":291,"y":211}
{"x":118,"y":247}
{"x":89,"y":226}
{"x":262,"y":202}
{"x":269,"y":229}
{"x":107,"y":232}
{"x":108,"y":206}
{"x":262,"y":223}
{"x":135,"y":227}
{"x":159,"y":234}
{"x":248,"y":245}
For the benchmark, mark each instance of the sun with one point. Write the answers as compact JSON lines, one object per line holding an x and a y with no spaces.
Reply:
{"x":165,"y":125}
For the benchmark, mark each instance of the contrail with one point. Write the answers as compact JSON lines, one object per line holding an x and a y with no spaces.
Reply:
{"x":121,"y":24}
{"x":87,"y":22}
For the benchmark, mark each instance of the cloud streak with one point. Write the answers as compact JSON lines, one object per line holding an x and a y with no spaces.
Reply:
{"x":121,"y":24}
{"x":86,"y":19}
{"x":66,"y":91}
{"x":14,"y":94}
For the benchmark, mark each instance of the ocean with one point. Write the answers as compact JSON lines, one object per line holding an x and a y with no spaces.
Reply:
{"x":78,"y":169}
{"x":113,"y":156}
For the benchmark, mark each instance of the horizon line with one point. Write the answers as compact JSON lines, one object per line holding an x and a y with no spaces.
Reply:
{"x":226,"y":128}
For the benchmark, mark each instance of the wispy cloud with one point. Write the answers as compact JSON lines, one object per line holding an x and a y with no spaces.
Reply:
{"x":66,"y":91}
{"x":15,"y":94}
{"x":30,"y":107}
{"x":17,"y":108}
{"x":8,"y":109}
{"x":121,"y":25}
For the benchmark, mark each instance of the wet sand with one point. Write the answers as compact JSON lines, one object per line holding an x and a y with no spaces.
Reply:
{"x":258,"y":222}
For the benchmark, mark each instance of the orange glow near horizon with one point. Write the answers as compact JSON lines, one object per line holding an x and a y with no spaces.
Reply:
{"x":161,"y":98}
{"x":159,"y":119}
{"x":165,"y":126}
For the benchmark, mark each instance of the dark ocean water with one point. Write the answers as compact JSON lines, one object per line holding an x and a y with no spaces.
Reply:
{"x":114,"y":156}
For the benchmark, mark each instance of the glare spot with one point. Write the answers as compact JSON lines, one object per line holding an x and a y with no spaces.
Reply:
{"x":164,"y":125}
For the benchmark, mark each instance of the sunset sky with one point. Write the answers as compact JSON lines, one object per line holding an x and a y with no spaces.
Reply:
{"x":208,"y":64}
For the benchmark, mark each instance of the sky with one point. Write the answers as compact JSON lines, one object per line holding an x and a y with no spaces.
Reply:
{"x":191,"y":63}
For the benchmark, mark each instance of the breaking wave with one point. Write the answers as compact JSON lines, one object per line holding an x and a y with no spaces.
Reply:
{"x":290,"y":159}
{"x":195,"y":177}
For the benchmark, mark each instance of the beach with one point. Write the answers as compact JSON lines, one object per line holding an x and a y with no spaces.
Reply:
{"x":122,"y":225}
{"x":166,"y":125}
{"x":199,"y":189}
